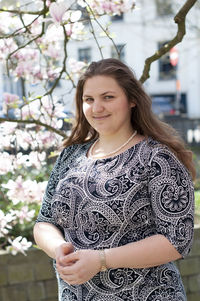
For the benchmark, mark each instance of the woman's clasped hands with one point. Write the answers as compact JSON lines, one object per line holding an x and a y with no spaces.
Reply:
{"x":76,"y":267}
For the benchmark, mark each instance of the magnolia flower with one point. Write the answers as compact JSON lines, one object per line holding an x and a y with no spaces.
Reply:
{"x":54,"y":34}
{"x":10,"y":101}
{"x":15,"y":190}
{"x":9,"y":127}
{"x":76,"y":66}
{"x":5,"y":219}
{"x":25,"y":191}
{"x":34,"y":159}
{"x":82,"y":3}
{"x":57,"y":11}
{"x":78,"y":32}
{"x":6,"y":163}
{"x":111,"y":7}
{"x":53,"y":50}
{"x":6,"y":47}
{"x":24,"y":214}
{"x":75,"y":15}
{"x":19,"y":244}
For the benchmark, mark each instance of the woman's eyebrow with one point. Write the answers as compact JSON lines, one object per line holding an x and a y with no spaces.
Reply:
{"x":104,"y":93}
{"x":87,"y":95}
{"x":108,"y":92}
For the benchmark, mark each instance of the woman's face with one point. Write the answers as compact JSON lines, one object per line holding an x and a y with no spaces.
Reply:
{"x":105,"y":106}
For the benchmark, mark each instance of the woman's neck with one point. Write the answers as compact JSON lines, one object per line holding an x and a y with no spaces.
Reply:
{"x":108,"y":145}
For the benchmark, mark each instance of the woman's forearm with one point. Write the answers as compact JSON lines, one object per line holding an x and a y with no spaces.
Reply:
{"x":48,"y":237}
{"x":151,"y":251}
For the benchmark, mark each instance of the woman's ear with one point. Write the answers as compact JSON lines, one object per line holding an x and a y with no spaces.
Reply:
{"x":132,"y":104}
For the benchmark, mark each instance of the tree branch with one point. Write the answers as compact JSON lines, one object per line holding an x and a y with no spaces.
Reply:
{"x":179,"y":19}
{"x":24,"y":12}
{"x":36,"y":122}
{"x":95,"y":38}
{"x":99,"y":24}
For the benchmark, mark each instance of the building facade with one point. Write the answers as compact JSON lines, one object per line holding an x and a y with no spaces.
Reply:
{"x":137,"y":35}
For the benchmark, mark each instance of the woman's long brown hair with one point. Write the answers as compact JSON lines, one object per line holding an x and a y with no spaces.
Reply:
{"x":142,"y":118}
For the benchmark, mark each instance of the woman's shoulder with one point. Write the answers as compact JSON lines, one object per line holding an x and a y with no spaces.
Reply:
{"x":155,"y":149}
{"x":151,"y":146}
{"x":162,"y":155}
{"x":74,"y":150}
{"x":154,"y":146}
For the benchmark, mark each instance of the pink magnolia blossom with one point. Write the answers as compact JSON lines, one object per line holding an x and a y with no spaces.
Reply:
{"x":5,"y":219}
{"x":23,"y":138}
{"x":10,"y":101}
{"x":54,"y":34}
{"x":78,"y":32}
{"x":6,"y":163}
{"x":25,"y":191}
{"x":26,"y":53}
{"x":111,"y":7}
{"x":19,"y":244}
{"x":7,"y":129}
{"x":34,"y":159}
{"x":24,"y":214}
{"x":76,"y":67}
{"x":53,"y":50}
{"x":6,"y":46}
{"x":75,"y":15}
{"x":57,"y":11}
{"x":48,"y":110}
{"x":40,"y":139}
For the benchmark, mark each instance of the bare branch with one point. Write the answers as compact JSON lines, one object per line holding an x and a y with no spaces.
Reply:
{"x":36,"y":122}
{"x":102,"y":28}
{"x":95,"y":38}
{"x":179,"y":19}
{"x":24,"y":12}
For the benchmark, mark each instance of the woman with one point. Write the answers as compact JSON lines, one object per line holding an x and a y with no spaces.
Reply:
{"x":119,"y":204}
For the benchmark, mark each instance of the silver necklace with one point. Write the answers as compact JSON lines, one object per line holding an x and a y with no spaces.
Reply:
{"x":113,"y":152}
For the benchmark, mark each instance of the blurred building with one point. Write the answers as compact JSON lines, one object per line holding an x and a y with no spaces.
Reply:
{"x":174,"y":86}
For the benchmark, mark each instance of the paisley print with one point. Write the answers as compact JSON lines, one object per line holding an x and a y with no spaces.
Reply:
{"x":111,"y":202}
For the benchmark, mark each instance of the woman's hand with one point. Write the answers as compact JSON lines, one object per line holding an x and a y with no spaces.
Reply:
{"x":63,"y":250}
{"x":79,"y":267}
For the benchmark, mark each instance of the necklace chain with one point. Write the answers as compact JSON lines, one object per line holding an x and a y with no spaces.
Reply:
{"x":113,"y":152}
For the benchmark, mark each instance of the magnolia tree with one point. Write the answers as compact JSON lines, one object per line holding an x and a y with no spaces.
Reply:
{"x":34,"y":41}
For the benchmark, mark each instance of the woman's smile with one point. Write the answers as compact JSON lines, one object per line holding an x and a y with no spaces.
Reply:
{"x":101,"y":117}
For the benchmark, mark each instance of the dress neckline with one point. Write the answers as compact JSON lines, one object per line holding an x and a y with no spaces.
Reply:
{"x":89,"y":144}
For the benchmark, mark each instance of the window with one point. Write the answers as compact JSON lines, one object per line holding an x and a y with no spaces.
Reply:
{"x":164,"y":7}
{"x":13,"y":87}
{"x":84,"y":54}
{"x":166,"y":70}
{"x":117,"y":18}
{"x":118,"y":53}
{"x":166,"y":104}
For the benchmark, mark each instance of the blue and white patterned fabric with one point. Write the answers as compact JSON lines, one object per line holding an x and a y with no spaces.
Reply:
{"x":106,"y":203}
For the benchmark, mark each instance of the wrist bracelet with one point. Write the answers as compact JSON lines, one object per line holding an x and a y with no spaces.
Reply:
{"x":102,"y":256}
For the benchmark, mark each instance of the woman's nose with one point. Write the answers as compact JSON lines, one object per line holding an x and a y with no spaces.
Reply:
{"x":97,"y":106}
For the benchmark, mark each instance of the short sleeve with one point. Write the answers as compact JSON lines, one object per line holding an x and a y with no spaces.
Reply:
{"x":45,"y":213}
{"x":172,"y":199}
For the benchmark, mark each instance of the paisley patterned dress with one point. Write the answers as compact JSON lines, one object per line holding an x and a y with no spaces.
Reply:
{"x":111,"y":202}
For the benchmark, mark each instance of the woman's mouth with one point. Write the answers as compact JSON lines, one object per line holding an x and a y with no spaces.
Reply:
{"x":100,"y":117}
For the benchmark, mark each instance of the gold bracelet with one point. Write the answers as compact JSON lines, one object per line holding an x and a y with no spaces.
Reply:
{"x":102,"y":256}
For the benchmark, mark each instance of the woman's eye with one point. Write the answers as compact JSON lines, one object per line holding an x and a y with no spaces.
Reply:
{"x":108,"y":96}
{"x":89,"y":99}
